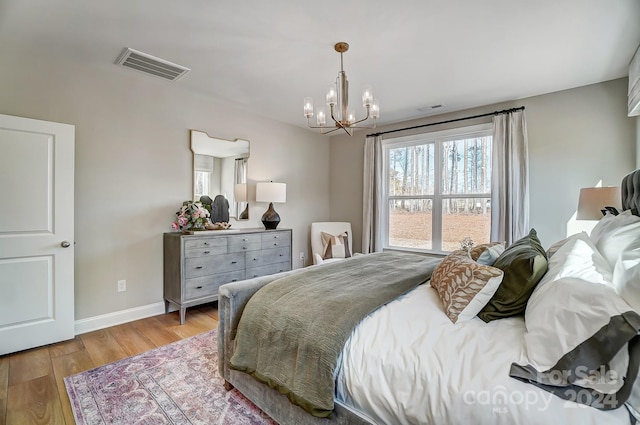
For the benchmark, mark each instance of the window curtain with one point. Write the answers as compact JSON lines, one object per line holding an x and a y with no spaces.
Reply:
{"x":372,"y":195}
{"x":509,"y":178}
{"x":240,"y":177}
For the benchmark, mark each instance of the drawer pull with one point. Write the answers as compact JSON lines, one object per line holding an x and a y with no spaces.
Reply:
{"x":282,"y":255}
{"x":244,"y":239}
{"x":244,"y":247}
{"x":275,"y":244}
{"x":198,"y":267}
{"x":255,"y":259}
{"x":206,"y":243}
{"x":207,"y":252}
{"x":234,"y":262}
{"x":281,"y":270}
{"x":275,"y":237}
{"x":199,"y":287}
{"x":255,"y":275}
{"x":234,"y":280}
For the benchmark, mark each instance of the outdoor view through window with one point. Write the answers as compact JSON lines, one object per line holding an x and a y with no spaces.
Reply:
{"x":438,"y":191}
{"x":201,"y":182}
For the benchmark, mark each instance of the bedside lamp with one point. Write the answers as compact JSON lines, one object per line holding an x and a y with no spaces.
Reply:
{"x":271,"y":192}
{"x":593,"y":200}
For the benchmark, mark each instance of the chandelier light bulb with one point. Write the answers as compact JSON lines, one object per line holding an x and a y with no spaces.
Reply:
{"x":332,"y":95}
{"x":351,"y":116}
{"x":367,"y":96}
{"x":375,"y":109}
{"x":322,"y":117}
{"x":308,"y":107}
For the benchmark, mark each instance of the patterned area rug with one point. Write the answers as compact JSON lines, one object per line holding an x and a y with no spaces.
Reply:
{"x":174,"y":384}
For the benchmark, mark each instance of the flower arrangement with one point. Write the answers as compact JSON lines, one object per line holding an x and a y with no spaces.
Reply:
{"x":192,"y":216}
{"x":466,"y":244}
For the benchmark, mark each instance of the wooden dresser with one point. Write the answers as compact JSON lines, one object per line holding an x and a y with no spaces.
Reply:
{"x":196,"y":265}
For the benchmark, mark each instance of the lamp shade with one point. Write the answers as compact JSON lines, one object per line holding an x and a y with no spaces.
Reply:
{"x":593,"y":199}
{"x":240,"y":192}
{"x":271,"y":192}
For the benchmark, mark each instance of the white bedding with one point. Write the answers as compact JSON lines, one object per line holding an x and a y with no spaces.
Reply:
{"x":407,"y":363}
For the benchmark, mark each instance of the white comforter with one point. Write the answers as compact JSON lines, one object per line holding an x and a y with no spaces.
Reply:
{"x":408,"y":364}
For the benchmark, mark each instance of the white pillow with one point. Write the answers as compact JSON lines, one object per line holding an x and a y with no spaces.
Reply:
{"x":606,"y":224}
{"x":613,"y":233}
{"x":577,"y":342}
{"x":626,"y":275}
{"x":578,"y":257}
{"x":554,"y":247}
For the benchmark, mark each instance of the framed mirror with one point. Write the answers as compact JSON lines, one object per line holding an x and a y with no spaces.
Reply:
{"x":220,"y":168}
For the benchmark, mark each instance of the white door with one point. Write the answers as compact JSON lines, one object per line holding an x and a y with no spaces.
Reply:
{"x":36,"y":233}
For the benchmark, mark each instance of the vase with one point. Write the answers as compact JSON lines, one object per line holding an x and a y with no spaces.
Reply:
{"x":197,"y":226}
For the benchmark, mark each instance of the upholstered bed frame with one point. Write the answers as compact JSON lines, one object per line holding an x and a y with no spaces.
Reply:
{"x":234,"y":296}
{"x":232,"y":299}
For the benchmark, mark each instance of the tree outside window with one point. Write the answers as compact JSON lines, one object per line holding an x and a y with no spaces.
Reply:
{"x":438,"y":189}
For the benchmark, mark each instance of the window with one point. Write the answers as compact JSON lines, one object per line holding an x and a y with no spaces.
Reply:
{"x":201,"y":183}
{"x":438,"y":189}
{"x":203,"y":167}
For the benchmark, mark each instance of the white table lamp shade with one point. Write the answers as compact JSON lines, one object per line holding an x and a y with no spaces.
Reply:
{"x":594,"y":199}
{"x":271,"y":192}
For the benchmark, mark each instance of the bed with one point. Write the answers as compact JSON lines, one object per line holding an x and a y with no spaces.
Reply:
{"x":410,"y":362}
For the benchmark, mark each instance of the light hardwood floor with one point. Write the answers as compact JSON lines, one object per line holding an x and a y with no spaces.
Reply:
{"x":32,"y":389}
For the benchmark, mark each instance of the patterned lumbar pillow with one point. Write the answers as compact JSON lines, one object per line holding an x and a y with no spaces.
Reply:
{"x":464,"y":286}
{"x":335,"y":246}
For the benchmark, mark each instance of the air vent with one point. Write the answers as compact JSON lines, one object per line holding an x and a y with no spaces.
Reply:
{"x":151,"y":65}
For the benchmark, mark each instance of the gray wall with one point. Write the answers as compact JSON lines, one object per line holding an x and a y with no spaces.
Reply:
{"x":133,"y":163}
{"x":133,"y":167}
{"x":577,"y":138}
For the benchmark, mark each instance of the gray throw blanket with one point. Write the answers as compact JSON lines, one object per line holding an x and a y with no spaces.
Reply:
{"x":293,"y":330}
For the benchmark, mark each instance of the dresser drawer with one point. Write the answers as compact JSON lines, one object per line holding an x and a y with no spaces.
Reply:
{"x":242,"y":243}
{"x":275,"y":239}
{"x":267,"y":270}
{"x":204,"y":251}
{"x":207,"y":286}
{"x":267,"y":256}
{"x":205,"y":243}
{"x":203,"y":266}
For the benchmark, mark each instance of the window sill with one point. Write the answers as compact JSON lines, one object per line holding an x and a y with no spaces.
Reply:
{"x":434,"y":254}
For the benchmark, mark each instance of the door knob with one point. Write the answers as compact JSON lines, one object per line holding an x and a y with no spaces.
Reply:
{"x":65,"y":244}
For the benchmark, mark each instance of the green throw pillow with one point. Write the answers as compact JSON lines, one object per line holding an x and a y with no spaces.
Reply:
{"x":524,"y":263}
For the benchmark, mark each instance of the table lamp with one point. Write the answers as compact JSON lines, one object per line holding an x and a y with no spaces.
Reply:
{"x":271,"y":192}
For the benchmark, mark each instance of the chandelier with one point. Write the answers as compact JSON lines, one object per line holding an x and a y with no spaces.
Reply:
{"x":338,"y":101}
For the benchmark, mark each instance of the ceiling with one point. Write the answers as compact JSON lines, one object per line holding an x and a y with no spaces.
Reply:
{"x":266,"y":56}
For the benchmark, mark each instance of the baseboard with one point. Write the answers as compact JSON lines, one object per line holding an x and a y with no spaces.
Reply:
{"x":117,"y":317}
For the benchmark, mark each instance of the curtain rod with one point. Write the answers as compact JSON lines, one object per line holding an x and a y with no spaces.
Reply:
{"x":504,"y":111}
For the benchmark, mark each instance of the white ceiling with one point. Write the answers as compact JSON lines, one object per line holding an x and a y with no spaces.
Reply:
{"x":266,"y":56}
